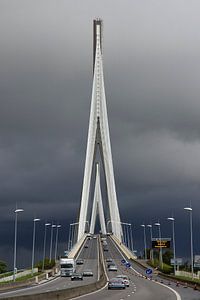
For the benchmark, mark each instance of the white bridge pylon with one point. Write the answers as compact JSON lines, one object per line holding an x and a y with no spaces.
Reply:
{"x":97,"y":205}
{"x":99,"y":138}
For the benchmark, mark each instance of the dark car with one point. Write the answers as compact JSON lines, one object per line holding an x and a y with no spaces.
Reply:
{"x":77,"y":276}
{"x":110,"y":264}
{"x":80,"y":261}
{"x":116,"y":283}
{"x":87,"y":273}
{"x":105,"y":248}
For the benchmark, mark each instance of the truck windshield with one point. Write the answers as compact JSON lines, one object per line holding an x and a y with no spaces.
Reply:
{"x":66,"y":266}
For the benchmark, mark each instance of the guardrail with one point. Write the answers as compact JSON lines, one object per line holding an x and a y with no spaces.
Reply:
{"x":123,"y":248}
{"x":74,"y":251}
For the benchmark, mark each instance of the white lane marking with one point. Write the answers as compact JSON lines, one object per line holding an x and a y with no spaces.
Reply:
{"x":178,"y":297}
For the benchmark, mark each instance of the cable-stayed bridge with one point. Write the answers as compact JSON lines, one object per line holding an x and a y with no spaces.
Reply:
{"x":113,"y":243}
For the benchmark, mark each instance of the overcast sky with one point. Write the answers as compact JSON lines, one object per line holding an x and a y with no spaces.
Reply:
{"x":152,"y":70}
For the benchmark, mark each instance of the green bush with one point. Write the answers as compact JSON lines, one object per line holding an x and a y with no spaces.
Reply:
{"x":47,"y":264}
{"x":3,"y":267}
{"x":167,"y":269}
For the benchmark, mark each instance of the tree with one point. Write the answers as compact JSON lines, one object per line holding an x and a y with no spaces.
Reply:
{"x":3,"y":267}
{"x":47,"y":264}
{"x":167,"y":255}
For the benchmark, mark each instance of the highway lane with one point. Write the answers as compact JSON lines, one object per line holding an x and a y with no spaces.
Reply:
{"x":186,"y":293}
{"x":89,"y":255}
{"x":140,"y":288}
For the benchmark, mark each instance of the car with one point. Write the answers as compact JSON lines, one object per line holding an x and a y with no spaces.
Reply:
{"x":109,"y":260}
{"x":77,"y":276}
{"x":87,"y":273}
{"x":86,"y":246}
{"x":110,"y":264}
{"x":94,"y":237}
{"x":80,"y":261}
{"x":125,"y":279}
{"x":105,"y":248}
{"x":116,"y":283}
{"x":112,"y":268}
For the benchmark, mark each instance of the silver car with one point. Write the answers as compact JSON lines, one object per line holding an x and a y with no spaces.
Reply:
{"x":112,"y":268}
{"x":116,"y":283}
{"x":125,"y":279}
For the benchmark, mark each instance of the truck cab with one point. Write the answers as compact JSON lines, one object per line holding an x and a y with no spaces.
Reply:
{"x":67,"y":266}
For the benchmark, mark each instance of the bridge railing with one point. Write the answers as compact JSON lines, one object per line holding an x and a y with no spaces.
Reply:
{"x":127,"y":252}
{"x":76,"y":248}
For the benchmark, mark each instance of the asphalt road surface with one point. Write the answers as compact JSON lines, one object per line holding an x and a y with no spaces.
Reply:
{"x":140,"y":287}
{"x":89,"y":255}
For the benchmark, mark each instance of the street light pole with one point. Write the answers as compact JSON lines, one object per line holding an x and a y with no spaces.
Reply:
{"x":33,"y":249}
{"x":160,"y":256}
{"x":131,"y":237}
{"x":56,"y":245}
{"x":44,"y":248}
{"x":151,"y":237}
{"x":51,"y":242}
{"x":17,"y":210}
{"x":145,"y":242}
{"x":191,"y":240}
{"x":174,"y":244}
{"x":69,"y":238}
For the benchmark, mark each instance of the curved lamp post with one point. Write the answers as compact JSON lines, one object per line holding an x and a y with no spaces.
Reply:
{"x":44,"y":247}
{"x":33,"y":249}
{"x":151,"y":236}
{"x":145,"y":242}
{"x":160,"y":256}
{"x":189,"y":209}
{"x":51,"y":242}
{"x":17,"y":210}
{"x":56,"y":244}
{"x":174,"y":244}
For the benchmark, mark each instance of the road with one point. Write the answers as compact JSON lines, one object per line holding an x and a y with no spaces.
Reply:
{"x":140,"y":287}
{"x":89,"y":255}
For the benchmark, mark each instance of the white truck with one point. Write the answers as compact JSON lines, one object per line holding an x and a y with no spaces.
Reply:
{"x":67,"y":266}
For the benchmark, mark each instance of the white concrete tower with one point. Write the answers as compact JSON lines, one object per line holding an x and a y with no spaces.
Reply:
{"x":97,"y":205}
{"x":99,"y":137}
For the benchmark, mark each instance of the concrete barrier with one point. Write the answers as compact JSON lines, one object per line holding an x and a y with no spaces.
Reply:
{"x":18,"y":275}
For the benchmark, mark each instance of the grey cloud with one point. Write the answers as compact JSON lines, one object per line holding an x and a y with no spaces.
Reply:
{"x":151,"y":66}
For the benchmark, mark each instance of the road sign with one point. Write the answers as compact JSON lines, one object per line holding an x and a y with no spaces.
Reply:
{"x":123,"y":261}
{"x":197,"y":259}
{"x":128,"y":265}
{"x":163,"y":243}
{"x":148,"y":271}
{"x":178,"y":261}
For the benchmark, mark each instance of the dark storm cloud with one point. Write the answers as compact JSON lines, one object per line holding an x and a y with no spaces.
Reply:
{"x":151,"y":65}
